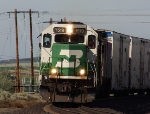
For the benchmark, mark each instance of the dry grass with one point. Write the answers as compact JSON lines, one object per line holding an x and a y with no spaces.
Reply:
{"x":18,"y":100}
{"x":18,"y":103}
{"x":4,"y":95}
{"x":24,"y":96}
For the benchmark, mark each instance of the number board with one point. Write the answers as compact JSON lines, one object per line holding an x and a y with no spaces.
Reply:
{"x":79,"y":30}
{"x":59,"y":30}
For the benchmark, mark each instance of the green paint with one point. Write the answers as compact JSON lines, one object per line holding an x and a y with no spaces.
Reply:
{"x":45,"y":68}
{"x":57,"y":56}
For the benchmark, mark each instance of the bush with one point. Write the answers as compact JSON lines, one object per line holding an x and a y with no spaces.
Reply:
{"x":24,"y":96}
{"x":4,"y":95}
{"x":6,"y":81}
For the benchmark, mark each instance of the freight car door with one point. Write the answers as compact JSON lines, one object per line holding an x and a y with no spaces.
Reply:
{"x":142,"y":56}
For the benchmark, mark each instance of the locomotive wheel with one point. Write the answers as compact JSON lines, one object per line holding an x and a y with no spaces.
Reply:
{"x":52,"y":94}
{"x":84,"y":95}
{"x":53,"y":97}
{"x":83,"y":98}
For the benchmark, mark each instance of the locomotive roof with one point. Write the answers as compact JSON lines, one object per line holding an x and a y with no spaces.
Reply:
{"x":69,"y":23}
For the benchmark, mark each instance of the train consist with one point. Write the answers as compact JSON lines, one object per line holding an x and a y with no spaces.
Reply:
{"x":81,"y":64}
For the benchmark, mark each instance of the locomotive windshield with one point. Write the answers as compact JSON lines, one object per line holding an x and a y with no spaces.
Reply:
{"x":64,"y":38}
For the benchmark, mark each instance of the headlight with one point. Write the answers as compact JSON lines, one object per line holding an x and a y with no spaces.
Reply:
{"x":53,"y":71}
{"x":82,"y":72}
{"x":69,"y":29}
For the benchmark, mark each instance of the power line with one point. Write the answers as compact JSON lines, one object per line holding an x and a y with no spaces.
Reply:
{"x":24,"y":12}
{"x":5,"y":31}
{"x":17,"y":54}
{"x":119,"y":10}
{"x":13,"y":31}
{"x":77,"y":14}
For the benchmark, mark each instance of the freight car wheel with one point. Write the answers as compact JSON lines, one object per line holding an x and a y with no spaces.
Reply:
{"x":118,"y":93}
{"x":105,"y":89}
{"x":125,"y":93}
{"x":141,"y":92}
{"x":104,"y":92}
{"x":97,"y":94}
{"x":148,"y":91}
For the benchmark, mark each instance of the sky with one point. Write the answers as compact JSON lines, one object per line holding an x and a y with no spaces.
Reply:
{"x":130,"y":17}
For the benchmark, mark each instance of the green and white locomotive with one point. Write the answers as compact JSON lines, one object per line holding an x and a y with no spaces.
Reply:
{"x":68,"y":69}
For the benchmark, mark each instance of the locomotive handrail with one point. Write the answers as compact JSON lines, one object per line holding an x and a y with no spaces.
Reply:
{"x":46,"y":50}
{"x":86,"y":61}
{"x":46,"y":63}
{"x":93,"y":72}
{"x":62,"y":59}
{"x":43,"y":67}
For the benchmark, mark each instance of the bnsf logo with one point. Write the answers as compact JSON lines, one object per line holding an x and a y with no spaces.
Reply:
{"x":69,"y":53}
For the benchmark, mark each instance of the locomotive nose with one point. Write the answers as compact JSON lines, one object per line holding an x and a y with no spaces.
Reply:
{"x":69,"y":59}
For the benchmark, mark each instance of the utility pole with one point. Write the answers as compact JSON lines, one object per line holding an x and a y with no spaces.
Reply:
{"x":17,"y":55}
{"x":32,"y":67}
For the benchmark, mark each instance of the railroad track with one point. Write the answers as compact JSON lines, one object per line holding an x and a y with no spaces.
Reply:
{"x":130,"y":105}
{"x":79,"y":110}
{"x":122,"y":105}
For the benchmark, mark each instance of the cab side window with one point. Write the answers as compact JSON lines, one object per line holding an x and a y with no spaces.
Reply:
{"x":91,"y":41}
{"x":47,"y":40}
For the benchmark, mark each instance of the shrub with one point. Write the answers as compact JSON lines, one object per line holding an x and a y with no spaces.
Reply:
{"x":25,"y":96}
{"x":4,"y":95}
{"x":6,"y":81}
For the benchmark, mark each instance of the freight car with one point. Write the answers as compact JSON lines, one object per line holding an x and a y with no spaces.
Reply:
{"x":139,"y":69}
{"x":80,"y":64}
{"x":125,"y":60}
